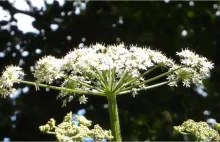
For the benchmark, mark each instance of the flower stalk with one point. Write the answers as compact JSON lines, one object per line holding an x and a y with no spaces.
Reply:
{"x":146,"y":88}
{"x":114,"y":118}
{"x":59,"y":88}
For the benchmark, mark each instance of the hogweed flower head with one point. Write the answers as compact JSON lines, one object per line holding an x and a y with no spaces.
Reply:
{"x":195,"y":61}
{"x":48,"y":69}
{"x":117,"y":69}
{"x":8,"y":79}
{"x":105,"y":71}
{"x":195,"y":70}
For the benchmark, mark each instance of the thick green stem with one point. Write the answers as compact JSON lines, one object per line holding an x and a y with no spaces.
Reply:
{"x":114,"y":118}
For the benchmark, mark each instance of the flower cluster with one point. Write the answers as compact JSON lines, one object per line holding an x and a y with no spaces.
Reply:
{"x":195,"y":69}
{"x":48,"y":69}
{"x":199,"y":130}
{"x":116,"y":69}
{"x":105,"y":66}
{"x":68,"y":131}
{"x":102,"y":58}
{"x":195,"y":61}
{"x":8,"y":79}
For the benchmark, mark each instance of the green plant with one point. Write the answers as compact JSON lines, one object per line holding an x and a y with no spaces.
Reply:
{"x":109,"y":71}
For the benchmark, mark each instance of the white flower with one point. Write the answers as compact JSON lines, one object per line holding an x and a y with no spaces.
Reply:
{"x":98,"y":62}
{"x":47,"y":69}
{"x":100,"y":69}
{"x":186,"y":82}
{"x":195,"y":70}
{"x":133,"y":59}
{"x":193,"y":60}
{"x":98,"y":48}
{"x":172,"y":78}
{"x":134,"y":92}
{"x":83,"y":99}
{"x":8,"y":78}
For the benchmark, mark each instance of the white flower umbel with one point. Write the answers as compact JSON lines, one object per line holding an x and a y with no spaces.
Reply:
{"x":201,"y":64}
{"x":195,"y":70}
{"x":111,"y":71}
{"x":116,"y":68}
{"x":8,"y":79}
{"x":47,"y":69}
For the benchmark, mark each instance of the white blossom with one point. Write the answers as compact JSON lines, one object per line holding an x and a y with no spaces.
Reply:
{"x":8,"y":79}
{"x":197,"y":68}
{"x":133,"y":59}
{"x":190,"y":74}
{"x":193,"y":60}
{"x":100,"y":69}
{"x":47,"y":69}
{"x":91,"y":62}
{"x":134,"y":92}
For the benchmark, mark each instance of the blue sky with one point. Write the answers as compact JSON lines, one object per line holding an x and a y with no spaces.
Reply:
{"x":24,"y":22}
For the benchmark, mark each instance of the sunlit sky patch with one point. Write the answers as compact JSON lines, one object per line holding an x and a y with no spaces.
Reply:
{"x":4,"y":15}
{"x":24,"y":22}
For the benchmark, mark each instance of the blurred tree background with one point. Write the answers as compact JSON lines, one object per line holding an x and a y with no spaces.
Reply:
{"x":164,"y":25}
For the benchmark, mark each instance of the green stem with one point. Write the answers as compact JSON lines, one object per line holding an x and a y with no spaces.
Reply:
{"x":121,"y":81}
{"x":151,"y":79}
{"x":142,"y":75}
{"x":112,"y":79}
{"x":146,"y":88}
{"x":82,"y":83}
{"x":60,"y":88}
{"x":114,"y":118}
{"x":100,"y":78}
{"x":106,"y":78}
